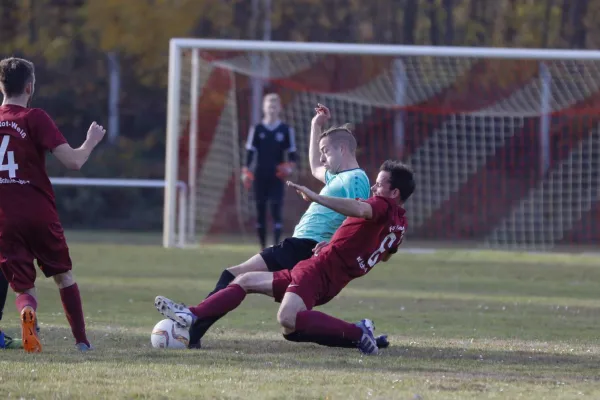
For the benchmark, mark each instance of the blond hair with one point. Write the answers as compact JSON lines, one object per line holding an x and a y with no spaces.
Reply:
{"x":341,"y":134}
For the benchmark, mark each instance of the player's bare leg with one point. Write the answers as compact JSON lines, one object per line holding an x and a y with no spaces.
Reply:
{"x":290,"y":306}
{"x":253,"y":264}
{"x":71,"y":300}
{"x":26,"y":303}
{"x":301,"y":325}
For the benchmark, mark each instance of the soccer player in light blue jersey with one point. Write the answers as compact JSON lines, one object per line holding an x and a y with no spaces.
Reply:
{"x":332,"y":157}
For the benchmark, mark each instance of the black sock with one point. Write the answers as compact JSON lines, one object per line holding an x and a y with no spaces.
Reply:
{"x":320,"y":339}
{"x":261,"y":219}
{"x":277,"y":234}
{"x":224,"y":281}
{"x":276,"y":214}
{"x":199,"y":328}
{"x":3,"y":293}
{"x":262,"y":236}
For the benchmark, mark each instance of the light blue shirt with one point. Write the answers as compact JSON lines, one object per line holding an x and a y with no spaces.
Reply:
{"x":319,"y":223}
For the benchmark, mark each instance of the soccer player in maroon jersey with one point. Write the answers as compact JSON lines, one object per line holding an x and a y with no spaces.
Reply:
{"x":372,"y":232}
{"x":29,"y":224}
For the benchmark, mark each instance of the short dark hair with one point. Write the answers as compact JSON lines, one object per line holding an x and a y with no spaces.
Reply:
{"x":341,"y":134}
{"x":402,"y":177}
{"x":15,"y":74}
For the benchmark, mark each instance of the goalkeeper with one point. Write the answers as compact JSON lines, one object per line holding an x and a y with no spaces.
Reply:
{"x":268,"y":143}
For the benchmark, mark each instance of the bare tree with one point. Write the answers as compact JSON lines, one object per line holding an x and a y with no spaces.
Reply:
{"x":434,"y":31}
{"x":477,"y":15}
{"x":411,"y":11}
{"x":564,"y":22}
{"x":449,"y":14}
{"x":546,"y":23}
{"x":578,"y":31}
{"x":511,"y":31}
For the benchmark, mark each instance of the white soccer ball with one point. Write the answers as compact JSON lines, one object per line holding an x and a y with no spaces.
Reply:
{"x":167,"y":335}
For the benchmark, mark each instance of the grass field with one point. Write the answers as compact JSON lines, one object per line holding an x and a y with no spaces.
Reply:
{"x":462,"y":325}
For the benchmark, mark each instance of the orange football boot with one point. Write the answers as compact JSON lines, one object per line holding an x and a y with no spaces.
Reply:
{"x":31,"y":341}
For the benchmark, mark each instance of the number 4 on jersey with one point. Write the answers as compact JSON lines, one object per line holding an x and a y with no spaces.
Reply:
{"x":7,"y":158}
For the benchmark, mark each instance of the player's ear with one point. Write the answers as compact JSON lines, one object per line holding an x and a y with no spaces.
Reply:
{"x":396,"y":194}
{"x":29,"y":88}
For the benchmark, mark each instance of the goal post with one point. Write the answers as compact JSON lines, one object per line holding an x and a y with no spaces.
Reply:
{"x":500,"y":138}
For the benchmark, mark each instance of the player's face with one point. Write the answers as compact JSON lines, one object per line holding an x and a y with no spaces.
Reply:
{"x":331,"y":156}
{"x":271,"y":108}
{"x":382,"y":186}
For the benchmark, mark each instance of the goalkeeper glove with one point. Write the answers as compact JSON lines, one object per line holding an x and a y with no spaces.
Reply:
{"x":284,"y":170}
{"x":247,"y":177}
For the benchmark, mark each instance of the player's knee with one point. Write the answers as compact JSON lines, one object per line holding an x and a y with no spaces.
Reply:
{"x":244,"y":280}
{"x":64,"y":280}
{"x":255,"y":264}
{"x":287,"y":320}
{"x":256,"y":282}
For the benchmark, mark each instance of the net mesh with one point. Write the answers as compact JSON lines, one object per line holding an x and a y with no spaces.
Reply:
{"x":490,"y":171}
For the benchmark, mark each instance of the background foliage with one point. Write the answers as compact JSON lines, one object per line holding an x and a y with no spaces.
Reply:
{"x":69,"y":41}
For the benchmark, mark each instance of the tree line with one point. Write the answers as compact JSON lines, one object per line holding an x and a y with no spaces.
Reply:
{"x":72,"y":42}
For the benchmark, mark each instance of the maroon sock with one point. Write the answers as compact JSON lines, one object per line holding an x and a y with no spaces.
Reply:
{"x":220,"y":303}
{"x":327,"y":330}
{"x":71,"y":301}
{"x":23,"y":300}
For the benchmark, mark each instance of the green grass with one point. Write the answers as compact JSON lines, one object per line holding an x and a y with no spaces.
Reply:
{"x":462,"y":325}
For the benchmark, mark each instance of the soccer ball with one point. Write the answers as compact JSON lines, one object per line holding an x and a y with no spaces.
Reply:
{"x":167,"y":335}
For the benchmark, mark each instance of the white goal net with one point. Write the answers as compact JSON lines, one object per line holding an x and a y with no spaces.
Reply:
{"x":504,"y":143}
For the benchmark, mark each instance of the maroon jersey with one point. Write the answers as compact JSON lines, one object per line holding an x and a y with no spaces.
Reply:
{"x":360,"y":243}
{"x":26,"y":135}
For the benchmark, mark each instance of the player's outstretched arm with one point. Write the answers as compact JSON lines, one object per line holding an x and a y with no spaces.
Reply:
{"x":314,"y":153}
{"x":347,"y":207}
{"x":76,"y":158}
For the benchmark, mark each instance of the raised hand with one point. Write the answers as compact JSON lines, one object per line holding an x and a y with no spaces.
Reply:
{"x":322,"y":115}
{"x":96,"y":132}
{"x":303,"y":191}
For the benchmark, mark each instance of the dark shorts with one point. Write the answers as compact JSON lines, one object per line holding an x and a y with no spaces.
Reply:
{"x":21,"y":245}
{"x":309,"y":281}
{"x":288,"y":253}
{"x":268,"y":189}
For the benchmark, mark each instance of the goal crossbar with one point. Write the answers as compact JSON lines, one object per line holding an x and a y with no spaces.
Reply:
{"x":382,"y":49}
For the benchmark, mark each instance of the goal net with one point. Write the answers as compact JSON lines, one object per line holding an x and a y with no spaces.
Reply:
{"x":504,"y":143}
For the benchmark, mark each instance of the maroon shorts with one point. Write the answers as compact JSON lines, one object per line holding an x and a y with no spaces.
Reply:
{"x":309,"y":280}
{"x":21,"y":244}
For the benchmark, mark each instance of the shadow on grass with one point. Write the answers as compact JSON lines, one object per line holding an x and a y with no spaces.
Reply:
{"x":261,"y":353}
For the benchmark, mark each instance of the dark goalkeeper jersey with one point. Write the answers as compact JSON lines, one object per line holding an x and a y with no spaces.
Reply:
{"x":269,"y":145}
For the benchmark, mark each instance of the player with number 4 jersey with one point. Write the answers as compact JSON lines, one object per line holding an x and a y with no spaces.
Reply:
{"x":372,"y":232}
{"x":29,"y":225}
